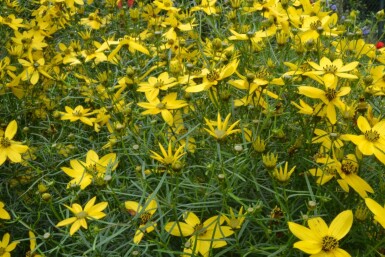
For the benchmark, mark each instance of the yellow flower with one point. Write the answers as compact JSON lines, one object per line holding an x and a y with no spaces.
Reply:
{"x":168,"y":157}
{"x":235,"y":221}
{"x":91,"y":211}
{"x":93,"y":20}
{"x":328,"y":138}
{"x":13,"y":22}
{"x":321,"y":240}
{"x":33,"y":69}
{"x":373,"y":139}
{"x":83,"y":173}
{"x":377,"y":210}
{"x":213,"y":77}
{"x":8,"y":148}
{"x":32,"y":247}
{"x":79,"y":113}
{"x":330,"y":97}
{"x":144,"y":213}
{"x":208,"y":6}
{"x":270,"y":160}
{"x":154,"y":85}
{"x":283,"y":175}
{"x":331,"y":70}
{"x":163,"y":107}
{"x":204,"y":236}
{"x":348,"y":169}
{"x":6,"y":247}
{"x":222,"y":130}
{"x":3,"y":213}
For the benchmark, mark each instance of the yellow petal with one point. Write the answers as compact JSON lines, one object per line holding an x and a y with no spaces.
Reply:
{"x":11,"y":130}
{"x":363,"y":124}
{"x":341,"y":224}
{"x":302,"y":232}
{"x":66,"y":222}
{"x":318,"y":226}
{"x":179,"y":229}
{"x":75,"y":227}
{"x":191,"y":219}
{"x":309,"y":247}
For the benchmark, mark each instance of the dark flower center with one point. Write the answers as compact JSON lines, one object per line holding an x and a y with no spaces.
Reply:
{"x":158,"y":84}
{"x":314,"y":25}
{"x":81,"y":215}
{"x":4,"y":143}
{"x":330,"y":68}
{"x":372,"y":135}
{"x":348,"y":167}
{"x":212,"y":76}
{"x":330,"y":94}
{"x":329,"y":243}
{"x":77,"y":113}
{"x":161,"y":106}
{"x":144,"y":218}
{"x":199,"y":229}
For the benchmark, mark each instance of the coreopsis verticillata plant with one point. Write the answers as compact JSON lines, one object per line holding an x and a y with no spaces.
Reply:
{"x":93,"y":53}
{"x":320,"y":239}
{"x":154,"y":85}
{"x":204,"y":236}
{"x":235,"y":221}
{"x":208,"y":6}
{"x":5,"y":247}
{"x":328,"y":139}
{"x":32,"y":245}
{"x":144,"y":213}
{"x":94,"y":21}
{"x":93,"y":170}
{"x":91,"y":211}
{"x":8,"y":148}
{"x":166,"y":5}
{"x":132,"y":44}
{"x":221,"y":130}
{"x":373,"y":139}
{"x":212,"y":77}
{"x":12,"y":22}
{"x":330,"y":98}
{"x":304,"y":108}
{"x":377,"y":210}
{"x":347,"y":169}
{"x":326,"y":171}
{"x":3,"y":213}
{"x":255,"y":87}
{"x":164,"y":107}
{"x":330,"y":71}
{"x":283,"y":175}
{"x":79,"y":113}
{"x":33,"y":69}
{"x":168,"y":157}
{"x":269,"y":160}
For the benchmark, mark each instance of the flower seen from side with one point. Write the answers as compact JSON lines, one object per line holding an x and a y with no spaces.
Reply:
{"x":168,"y":157}
{"x":221,"y":130}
